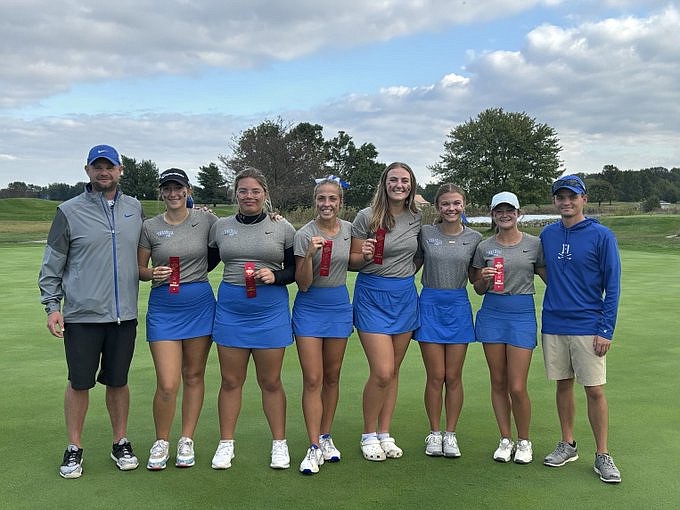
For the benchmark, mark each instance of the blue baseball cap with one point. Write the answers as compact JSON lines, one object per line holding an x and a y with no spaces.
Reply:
{"x":570,"y":182}
{"x":103,"y":151}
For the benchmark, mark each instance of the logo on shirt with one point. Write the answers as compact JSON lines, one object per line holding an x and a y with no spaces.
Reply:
{"x":230,"y":232}
{"x":268,"y":233}
{"x":434,"y":241}
{"x":165,"y":233}
{"x":494,"y":252}
{"x":127,"y":214}
{"x":565,"y":254}
{"x":193,"y":225}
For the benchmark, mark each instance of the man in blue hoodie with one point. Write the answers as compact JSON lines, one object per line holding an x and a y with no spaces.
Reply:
{"x":579,"y":314}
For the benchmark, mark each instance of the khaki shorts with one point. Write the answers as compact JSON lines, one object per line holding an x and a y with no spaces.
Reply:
{"x":573,"y":356}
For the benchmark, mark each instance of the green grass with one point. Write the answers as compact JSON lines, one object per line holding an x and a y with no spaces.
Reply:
{"x":642,"y":393}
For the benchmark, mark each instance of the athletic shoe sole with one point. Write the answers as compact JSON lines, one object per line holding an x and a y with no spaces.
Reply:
{"x":554,"y":464}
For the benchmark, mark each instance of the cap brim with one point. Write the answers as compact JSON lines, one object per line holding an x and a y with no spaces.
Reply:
{"x":578,"y":191}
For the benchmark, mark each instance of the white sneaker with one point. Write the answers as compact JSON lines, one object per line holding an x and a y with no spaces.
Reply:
{"x":392,"y":451}
{"x":185,"y":453}
{"x":450,"y":445}
{"x":310,"y":464}
{"x":371,"y":449}
{"x":524,"y":454}
{"x":280,"y":456}
{"x":504,"y":451}
{"x":433,"y":444}
{"x":330,"y":452}
{"x":158,"y":455}
{"x":223,"y":454}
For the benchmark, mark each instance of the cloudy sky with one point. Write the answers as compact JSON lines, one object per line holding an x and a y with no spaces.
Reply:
{"x":173,"y":81}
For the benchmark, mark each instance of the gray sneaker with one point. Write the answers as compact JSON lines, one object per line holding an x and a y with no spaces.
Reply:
{"x":562,"y":454}
{"x":605,"y":467}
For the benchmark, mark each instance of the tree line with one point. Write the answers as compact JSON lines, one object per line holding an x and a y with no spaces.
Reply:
{"x":495,"y":151}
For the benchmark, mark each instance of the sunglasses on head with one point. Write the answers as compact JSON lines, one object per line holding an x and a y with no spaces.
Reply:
{"x":572,"y":183}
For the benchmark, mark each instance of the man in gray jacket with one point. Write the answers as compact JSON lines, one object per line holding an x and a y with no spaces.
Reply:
{"x":90,"y":263}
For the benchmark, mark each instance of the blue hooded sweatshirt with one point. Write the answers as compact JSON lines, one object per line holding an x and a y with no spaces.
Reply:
{"x":583,"y":279}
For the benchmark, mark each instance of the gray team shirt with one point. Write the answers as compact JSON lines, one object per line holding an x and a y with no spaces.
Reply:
{"x":262,"y":243}
{"x":519,"y":262}
{"x":447,"y":258}
{"x":339,"y":255}
{"x":188,"y":241}
{"x":401,"y":244}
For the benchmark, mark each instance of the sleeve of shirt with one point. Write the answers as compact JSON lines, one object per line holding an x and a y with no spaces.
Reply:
{"x":360,"y":225}
{"x":611,"y":271}
{"x":53,"y":263}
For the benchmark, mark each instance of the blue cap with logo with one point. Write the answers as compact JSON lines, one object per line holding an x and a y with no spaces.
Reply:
{"x":570,"y":182}
{"x":103,"y":151}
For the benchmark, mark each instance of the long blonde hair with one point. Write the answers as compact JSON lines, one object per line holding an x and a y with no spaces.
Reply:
{"x":381,"y":216}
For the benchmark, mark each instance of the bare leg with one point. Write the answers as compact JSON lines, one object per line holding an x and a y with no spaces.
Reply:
{"x":75,"y":409}
{"x":333,"y":354}
{"x":118,"y":405}
{"x":434,"y":359}
{"x":167,"y":359}
{"x":598,"y":416}
{"x":311,"y":362}
{"x":564,"y":398}
{"x":194,"y":357}
{"x":498,"y":375}
{"x":268,"y":364}
{"x":518,"y":370}
{"x":455,"y":356}
{"x":233,"y":368}
{"x":400,"y":344}
{"x":380,"y":356}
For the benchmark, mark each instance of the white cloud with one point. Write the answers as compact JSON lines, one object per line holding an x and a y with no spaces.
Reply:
{"x":608,"y":86}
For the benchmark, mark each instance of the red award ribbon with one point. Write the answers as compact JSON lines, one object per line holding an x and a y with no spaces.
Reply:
{"x":325,"y":265}
{"x":498,"y":276}
{"x":249,"y":277}
{"x":379,"y":246}
{"x":173,"y":263}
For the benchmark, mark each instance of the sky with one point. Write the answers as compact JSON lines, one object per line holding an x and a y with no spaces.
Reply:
{"x":177,"y":81}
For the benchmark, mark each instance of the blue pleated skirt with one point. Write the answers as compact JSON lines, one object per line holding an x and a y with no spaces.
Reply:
{"x":385,"y":305}
{"x":187,"y":314}
{"x":445,"y":317}
{"x":507,"y":319}
{"x":262,"y":322}
{"x":323,"y":312}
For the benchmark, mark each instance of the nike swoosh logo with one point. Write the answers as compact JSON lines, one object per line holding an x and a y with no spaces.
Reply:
{"x":267,"y":233}
{"x":127,"y":214}
{"x":100,"y":151}
{"x":194,"y":224}
{"x":465,"y":244}
{"x":525,"y":251}
{"x":345,"y":238}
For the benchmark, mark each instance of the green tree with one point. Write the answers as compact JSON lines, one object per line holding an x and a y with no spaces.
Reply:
{"x":290,"y":157}
{"x":357,"y":166}
{"x":213,"y":186}
{"x":501,"y":151}
{"x":139,"y":180}
{"x":599,"y":191}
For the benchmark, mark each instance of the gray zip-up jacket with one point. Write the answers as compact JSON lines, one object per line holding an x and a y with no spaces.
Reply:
{"x":90,"y":261}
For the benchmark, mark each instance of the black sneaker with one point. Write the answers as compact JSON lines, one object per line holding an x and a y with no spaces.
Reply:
{"x":72,"y":465}
{"x":121,"y":452}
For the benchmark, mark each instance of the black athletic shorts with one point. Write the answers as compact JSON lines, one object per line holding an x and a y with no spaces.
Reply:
{"x":105,"y":347}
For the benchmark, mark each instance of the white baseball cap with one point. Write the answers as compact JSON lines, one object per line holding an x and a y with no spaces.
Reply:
{"x":504,"y":197}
